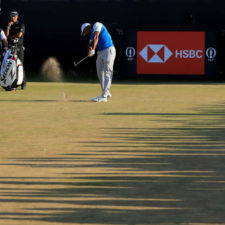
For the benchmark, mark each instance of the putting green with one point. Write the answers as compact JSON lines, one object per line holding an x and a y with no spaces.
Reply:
{"x":153,"y":154}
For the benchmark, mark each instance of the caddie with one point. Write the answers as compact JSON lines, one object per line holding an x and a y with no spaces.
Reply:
{"x":16,"y":30}
{"x":101,"y":41}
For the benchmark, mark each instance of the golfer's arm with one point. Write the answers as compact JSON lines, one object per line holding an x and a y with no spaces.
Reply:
{"x":95,"y":40}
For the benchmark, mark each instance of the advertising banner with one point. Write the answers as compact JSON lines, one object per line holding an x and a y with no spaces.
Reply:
{"x":171,"y":53}
{"x":187,"y":53}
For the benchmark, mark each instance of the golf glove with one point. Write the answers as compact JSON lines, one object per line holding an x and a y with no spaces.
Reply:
{"x":92,"y":52}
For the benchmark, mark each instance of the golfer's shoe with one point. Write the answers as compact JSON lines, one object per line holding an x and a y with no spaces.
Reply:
{"x":102,"y":99}
{"x":96,"y":99}
{"x":99,"y":99}
{"x":109,"y":95}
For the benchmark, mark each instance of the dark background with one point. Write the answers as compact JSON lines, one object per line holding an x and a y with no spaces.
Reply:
{"x":53,"y":26}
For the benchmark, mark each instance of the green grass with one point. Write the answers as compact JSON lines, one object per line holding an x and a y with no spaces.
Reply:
{"x":153,"y":154}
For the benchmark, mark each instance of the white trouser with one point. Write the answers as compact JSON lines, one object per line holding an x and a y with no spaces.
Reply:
{"x":104,"y":64}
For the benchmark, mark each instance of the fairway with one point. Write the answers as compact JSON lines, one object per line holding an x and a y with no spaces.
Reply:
{"x":153,"y":154}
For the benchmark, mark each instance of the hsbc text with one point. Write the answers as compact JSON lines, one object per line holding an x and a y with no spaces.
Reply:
{"x":189,"y":54}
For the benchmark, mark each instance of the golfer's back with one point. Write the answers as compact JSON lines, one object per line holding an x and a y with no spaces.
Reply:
{"x":105,"y":39}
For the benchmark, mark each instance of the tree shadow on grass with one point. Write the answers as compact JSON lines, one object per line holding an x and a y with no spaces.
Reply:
{"x":42,"y":100}
{"x":149,"y":175}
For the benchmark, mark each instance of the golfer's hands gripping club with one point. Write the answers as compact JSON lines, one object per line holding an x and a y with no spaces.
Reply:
{"x":91,"y":52}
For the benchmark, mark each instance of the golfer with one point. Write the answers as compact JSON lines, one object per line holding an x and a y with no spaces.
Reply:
{"x":101,"y":40}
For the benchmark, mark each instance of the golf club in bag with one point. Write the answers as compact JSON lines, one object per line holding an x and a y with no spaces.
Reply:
{"x":12,"y":72}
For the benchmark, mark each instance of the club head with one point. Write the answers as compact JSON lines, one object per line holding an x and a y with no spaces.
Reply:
{"x":75,"y":64}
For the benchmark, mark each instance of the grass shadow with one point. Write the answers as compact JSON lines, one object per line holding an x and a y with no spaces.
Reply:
{"x":149,"y":175}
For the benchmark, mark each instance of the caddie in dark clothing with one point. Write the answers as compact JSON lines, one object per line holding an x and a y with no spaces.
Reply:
{"x":16,"y":30}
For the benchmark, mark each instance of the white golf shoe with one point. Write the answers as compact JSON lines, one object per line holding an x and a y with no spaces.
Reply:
{"x":95,"y":99}
{"x":102,"y":99}
{"x":99,"y":99}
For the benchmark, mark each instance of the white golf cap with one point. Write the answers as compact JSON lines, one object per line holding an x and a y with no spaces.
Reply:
{"x":84,"y":25}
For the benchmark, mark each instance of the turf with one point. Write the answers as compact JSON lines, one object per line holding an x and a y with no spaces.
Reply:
{"x":153,"y":154}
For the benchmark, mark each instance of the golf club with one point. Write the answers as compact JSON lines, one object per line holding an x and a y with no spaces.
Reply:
{"x":76,"y":64}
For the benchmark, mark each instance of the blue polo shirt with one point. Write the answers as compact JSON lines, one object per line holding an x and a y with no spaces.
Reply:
{"x":105,"y":39}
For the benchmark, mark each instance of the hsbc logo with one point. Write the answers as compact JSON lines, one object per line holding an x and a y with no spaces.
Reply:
{"x":160,"y":53}
{"x":172,"y":52}
{"x":155,"y":53}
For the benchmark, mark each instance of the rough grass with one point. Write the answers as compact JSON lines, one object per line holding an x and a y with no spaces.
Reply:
{"x":154,"y":154}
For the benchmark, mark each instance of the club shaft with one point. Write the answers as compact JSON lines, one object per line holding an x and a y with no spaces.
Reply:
{"x":81,"y":61}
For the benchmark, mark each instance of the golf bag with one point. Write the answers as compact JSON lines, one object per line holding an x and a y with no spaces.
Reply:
{"x":12,"y":72}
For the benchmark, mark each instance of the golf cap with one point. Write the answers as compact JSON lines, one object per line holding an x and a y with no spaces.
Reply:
{"x":14,"y":13}
{"x":84,"y":26}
